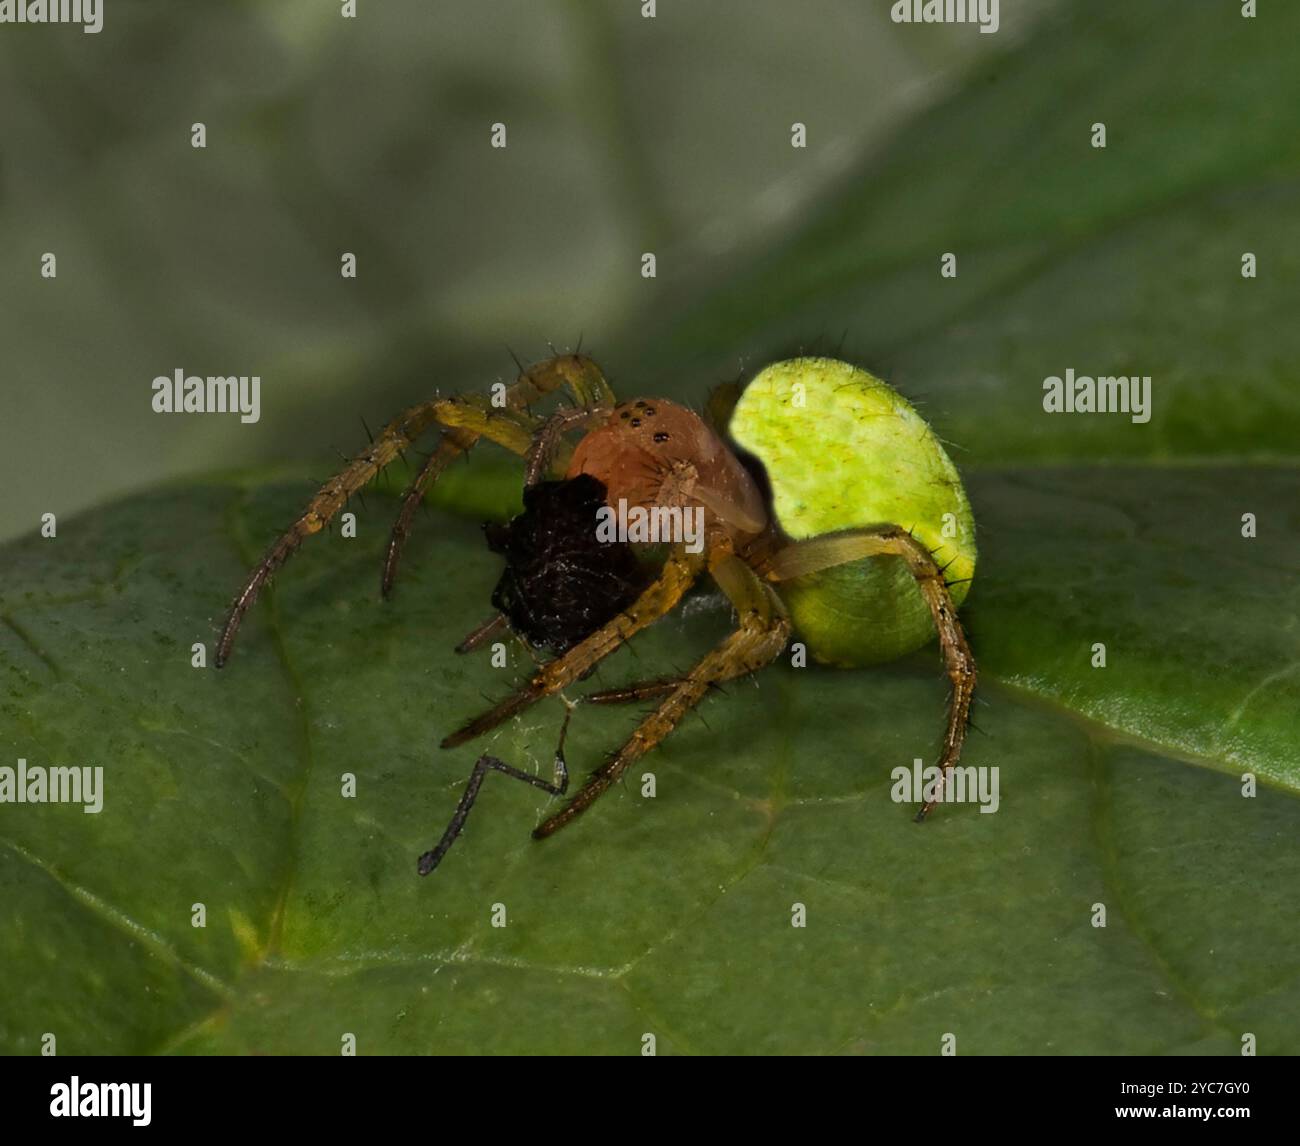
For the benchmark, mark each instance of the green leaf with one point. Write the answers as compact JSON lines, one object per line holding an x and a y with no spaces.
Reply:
{"x":1201,"y":624}
{"x":669,"y":915}
{"x":1123,"y":261}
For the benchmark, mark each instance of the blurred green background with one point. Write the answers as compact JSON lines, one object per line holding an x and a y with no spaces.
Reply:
{"x":371,"y":135}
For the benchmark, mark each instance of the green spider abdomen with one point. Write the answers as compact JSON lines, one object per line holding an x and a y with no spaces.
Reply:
{"x":843,"y":450}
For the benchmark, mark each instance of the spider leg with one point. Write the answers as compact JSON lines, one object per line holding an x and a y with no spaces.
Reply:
{"x":660,"y":597}
{"x":508,"y":428}
{"x":549,"y":438}
{"x":575,"y":372}
{"x":761,"y":634}
{"x":485,"y":632}
{"x":814,"y":554}
{"x":467,"y":419}
{"x":630,"y":693}
{"x":454,"y":444}
{"x":332,"y":496}
{"x":432,"y":858}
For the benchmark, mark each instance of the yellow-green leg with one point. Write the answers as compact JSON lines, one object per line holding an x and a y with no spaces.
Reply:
{"x":817,"y":553}
{"x":761,"y":633}
{"x":466,"y":418}
{"x":576,"y":373}
{"x":660,"y":597}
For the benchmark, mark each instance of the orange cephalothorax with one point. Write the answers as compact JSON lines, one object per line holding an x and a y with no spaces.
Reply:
{"x":652,"y":452}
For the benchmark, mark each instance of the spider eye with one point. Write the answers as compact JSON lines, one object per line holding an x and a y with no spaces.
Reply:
{"x":661,"y":436}
{"x":635,"y":422}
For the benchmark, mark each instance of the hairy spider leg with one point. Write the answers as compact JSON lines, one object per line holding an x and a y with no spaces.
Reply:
{"x":575,"y":372}
{"x":453,"y":444}
{"x":662,"y":595}
{"x":762,"y":631}
{"x":631,"y":693}
{"x":817,"y":553}
{"x":547,"y":442}
{"x":485,"y":632}
{"x":512,"y":429}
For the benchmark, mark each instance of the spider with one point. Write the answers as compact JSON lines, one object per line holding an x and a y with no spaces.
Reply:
{"x":856,"y":593}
